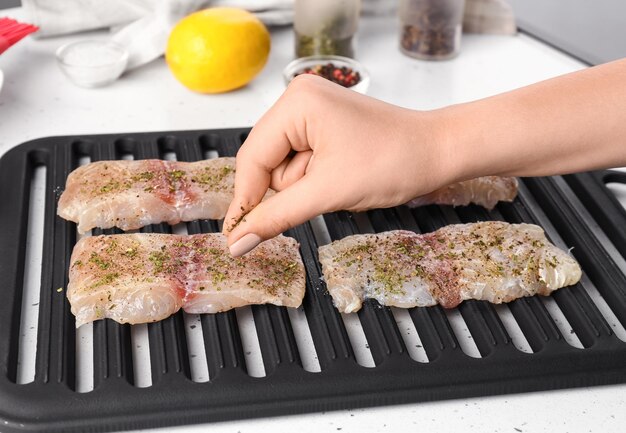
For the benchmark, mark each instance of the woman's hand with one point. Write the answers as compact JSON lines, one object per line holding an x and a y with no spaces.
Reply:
{"x":326,"y":148}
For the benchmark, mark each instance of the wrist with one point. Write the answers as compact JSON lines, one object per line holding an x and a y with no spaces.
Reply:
{"x":443,"y":143}
{"x":459,"y":134}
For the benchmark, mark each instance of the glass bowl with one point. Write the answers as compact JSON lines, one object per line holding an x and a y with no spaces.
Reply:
{"x":302,"y":63}
{"x":92,"y":63}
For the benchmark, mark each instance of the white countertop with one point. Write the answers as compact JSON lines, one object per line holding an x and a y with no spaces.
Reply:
{"x":37,"y":101}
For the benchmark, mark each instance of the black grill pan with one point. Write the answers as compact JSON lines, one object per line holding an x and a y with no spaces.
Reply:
{"x":51,"y":404}
{"x":601,"y":203}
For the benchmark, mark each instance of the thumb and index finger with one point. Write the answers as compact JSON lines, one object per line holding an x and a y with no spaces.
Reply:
{"x":266,"y":159}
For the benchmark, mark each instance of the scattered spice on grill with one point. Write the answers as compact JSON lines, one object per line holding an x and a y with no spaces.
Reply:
{"x":344,"y":75}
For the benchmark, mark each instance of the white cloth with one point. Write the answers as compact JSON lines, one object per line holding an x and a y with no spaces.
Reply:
{"x":146,"y":38}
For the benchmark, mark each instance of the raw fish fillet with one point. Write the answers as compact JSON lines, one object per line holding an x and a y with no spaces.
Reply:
{"x":485,"y":191}
{"x":133,"y":194}
{"x":493,"y":261}
{"x":138,"y":278}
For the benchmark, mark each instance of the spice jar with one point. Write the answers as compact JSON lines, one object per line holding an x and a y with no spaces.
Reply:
{"x":431,"y":29}
{"x":326,"y":27}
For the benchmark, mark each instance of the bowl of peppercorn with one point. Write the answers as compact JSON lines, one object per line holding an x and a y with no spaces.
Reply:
{"x":344,"y":71}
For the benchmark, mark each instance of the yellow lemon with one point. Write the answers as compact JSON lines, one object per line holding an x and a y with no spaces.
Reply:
{"x":217,"y":49}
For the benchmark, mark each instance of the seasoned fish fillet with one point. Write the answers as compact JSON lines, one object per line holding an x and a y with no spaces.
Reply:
{"x":133,"y":194}
{"x":485,"y":191}
{"x":493,"y":261}
{"x":138,"y":278}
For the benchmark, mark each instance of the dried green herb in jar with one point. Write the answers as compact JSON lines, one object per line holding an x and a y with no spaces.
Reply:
{"x":325,"y":27}
{"x":323,"y":44}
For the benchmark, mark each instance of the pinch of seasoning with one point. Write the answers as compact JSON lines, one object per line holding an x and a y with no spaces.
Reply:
{"x":236,"y":221}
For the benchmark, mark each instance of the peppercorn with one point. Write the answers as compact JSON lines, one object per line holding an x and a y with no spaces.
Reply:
{"x":344,"y":76}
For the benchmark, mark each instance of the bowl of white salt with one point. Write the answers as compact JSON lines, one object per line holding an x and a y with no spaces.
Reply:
{"x":92,"y":63}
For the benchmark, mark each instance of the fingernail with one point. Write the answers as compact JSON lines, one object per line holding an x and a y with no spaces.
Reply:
{"x":245,"y":244}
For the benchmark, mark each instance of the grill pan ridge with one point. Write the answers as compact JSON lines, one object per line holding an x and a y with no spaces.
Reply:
{"x":51,"y":403}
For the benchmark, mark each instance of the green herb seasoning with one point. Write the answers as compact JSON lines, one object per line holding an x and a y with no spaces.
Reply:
{"x":143,"y":177}
{"x":111,"y":186}
{"x":388,"y":275}
{"x":277,"y":273}
{"x":131,"y":253}
{"x":106,"y":279}
{"x":159,"y":260}
{"x":99,"y":261}
{"x":213,"y":177}
{"x":112,"y":246}
{"x":176,"y":175}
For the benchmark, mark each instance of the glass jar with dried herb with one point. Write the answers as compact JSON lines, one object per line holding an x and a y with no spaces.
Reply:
{"x":431,"y":29}
{"x":326,"y":27}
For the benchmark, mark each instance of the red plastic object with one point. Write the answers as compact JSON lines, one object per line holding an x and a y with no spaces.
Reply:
{"x":12,"y":31}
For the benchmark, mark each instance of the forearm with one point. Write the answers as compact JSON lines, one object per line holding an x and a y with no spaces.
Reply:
{"x":571,"y":123}
{"x":325,"y":148}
